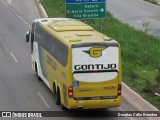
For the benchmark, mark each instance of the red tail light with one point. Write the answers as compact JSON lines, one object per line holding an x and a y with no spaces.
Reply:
{"x":119,"y":89}
{"x":70,"y":91}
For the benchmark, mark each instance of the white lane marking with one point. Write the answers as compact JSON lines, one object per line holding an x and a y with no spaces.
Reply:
{"x":24,"y":21}
{"x":45,"y":102}
{"x":13,"y":56}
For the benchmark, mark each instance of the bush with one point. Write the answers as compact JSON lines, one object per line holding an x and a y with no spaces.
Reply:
{"x":148,"y":87}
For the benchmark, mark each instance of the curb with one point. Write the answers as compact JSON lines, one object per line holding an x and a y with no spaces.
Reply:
{"x":42,"y":13}
{"x":137,"y":101}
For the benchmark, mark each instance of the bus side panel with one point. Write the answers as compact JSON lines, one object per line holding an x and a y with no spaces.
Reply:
{"x":56,"y":73}
{"x":42,"y":61}
{"x":52,"y":69}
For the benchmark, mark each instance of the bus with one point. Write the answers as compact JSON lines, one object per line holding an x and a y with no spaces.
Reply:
{"x":81,"y":66}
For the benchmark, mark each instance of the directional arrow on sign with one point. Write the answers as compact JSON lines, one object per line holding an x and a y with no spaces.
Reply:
{"x":102,"y":10}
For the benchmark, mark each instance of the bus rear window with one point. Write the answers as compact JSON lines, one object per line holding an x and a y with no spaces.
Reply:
{"x":95,"y":64}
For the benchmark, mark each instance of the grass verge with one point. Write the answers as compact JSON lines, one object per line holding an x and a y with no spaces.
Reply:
{"x":140,"y":51}
{"x":152,"y":1}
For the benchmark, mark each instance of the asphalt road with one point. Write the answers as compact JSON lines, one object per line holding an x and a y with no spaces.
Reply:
{"x":25,"y":8}
{"x":19,"y":88}
{"x":135,"y":13}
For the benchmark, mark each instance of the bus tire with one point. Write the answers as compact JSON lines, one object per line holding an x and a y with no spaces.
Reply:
{"x":36,"y":70}
{"x":63,"y":107}
{"x":57,"y":97}
{"x":61,"y":104}
{"x":54,"y":89}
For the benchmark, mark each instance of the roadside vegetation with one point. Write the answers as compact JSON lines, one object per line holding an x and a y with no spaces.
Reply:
{"x":152,"y":1}
{"x":140,"y":51}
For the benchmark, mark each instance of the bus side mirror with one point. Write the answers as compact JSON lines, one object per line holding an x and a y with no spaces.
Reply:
{"x":27,"y":36}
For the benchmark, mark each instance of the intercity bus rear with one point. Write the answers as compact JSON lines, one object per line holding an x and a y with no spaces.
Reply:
{"x":95,"y":80}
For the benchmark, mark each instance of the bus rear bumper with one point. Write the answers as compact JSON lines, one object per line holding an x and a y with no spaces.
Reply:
{"x":94,"y":104}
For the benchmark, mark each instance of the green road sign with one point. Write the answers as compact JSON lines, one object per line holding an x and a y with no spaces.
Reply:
{"x":86,"y":10}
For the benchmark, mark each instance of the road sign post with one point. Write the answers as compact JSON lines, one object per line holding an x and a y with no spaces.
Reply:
{"x":86,"y":9}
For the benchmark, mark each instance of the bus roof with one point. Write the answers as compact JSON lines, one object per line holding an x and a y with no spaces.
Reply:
{"x":71,"y":31}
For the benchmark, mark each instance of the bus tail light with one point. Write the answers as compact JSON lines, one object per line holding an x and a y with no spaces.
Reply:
{"x":70,"y":91}
{"x":119,"y":89}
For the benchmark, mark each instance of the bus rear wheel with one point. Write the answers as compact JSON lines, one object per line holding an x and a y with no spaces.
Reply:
{"x":61,"y":105}
{"x":57,"y":97}
{"x":36,"y":70}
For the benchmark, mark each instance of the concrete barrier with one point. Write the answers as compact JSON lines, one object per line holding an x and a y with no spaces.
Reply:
{"x":137,"y":101}
{"x":41,"y":11}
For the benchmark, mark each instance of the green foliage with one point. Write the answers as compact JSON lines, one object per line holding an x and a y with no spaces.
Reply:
{"x":158,"y":81}
{"x":133,"y":75}
{"x":148,"y":88}
{"x":54,"y":8}
{"x":152,"y":1}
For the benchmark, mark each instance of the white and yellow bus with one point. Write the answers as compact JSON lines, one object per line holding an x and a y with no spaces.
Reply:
{"x":80,"y":65}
